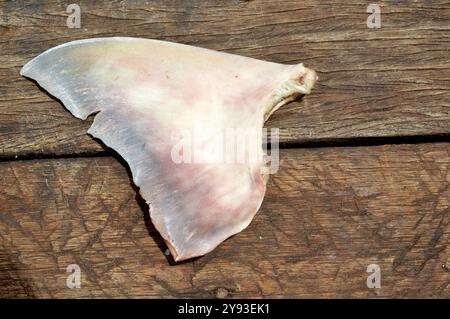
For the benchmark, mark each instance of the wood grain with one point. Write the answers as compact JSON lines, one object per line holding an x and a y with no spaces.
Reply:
{"x":393,"y":81}
{"x":327,"y":215}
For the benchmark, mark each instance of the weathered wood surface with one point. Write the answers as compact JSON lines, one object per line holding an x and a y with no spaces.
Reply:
{"x":328,"y":214}
{"x":393,"y":81}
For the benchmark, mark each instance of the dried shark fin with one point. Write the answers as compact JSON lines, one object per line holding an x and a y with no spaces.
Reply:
{"x":145,"y":91}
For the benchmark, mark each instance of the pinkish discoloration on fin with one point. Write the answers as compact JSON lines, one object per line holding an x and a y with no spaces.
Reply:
{"x":144,"y":91}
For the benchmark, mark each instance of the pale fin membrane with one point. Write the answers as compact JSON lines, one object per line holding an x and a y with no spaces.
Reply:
{"x":147,"y":93}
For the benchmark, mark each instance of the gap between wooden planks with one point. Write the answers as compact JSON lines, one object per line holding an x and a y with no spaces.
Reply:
{"x":327,"y":215}
{"x":393,"y":81}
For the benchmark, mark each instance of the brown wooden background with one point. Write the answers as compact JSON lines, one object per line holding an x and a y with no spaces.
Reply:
{"x":364,"y":175}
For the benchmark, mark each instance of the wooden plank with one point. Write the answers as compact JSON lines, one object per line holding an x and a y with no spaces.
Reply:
{"x":392,"y":81}
{"x":328,"y":214}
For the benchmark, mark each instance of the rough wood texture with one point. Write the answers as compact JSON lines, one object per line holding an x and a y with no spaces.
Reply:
{"x":328,"y":214}
{"x":392,"y":81}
